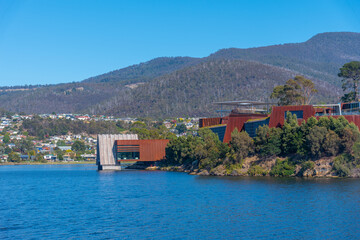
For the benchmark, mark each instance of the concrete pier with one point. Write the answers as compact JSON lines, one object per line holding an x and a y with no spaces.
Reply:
{"x":106,"y":153}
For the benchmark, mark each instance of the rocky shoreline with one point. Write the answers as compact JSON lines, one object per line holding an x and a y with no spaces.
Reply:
{"x":262,"y":167}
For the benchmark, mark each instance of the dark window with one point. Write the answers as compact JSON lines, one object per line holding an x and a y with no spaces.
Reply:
{"x":251,"y":126}
{"x":128,"y":155}
{"x":299,"y":114}
{"x":126,"y":152}
{"x":220,"y":131}
{"x":347,"y":106}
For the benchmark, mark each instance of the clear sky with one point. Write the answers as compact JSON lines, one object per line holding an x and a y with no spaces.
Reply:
{"x":55,"y":41}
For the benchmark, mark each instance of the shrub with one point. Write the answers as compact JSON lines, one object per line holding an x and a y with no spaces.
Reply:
{"x":308,"y":165}
{"x":282,"y":168}
{"x":291,"y":136}
{"x":315,"y":140}
{"x":256,"y":170}
{"x":349,"y":136}
{"x":331,"y":143}
{"x":340,"y":167}
{"x":241,"y":145}
{"x":268,"y":141}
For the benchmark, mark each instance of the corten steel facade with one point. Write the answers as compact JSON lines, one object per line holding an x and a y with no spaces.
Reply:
{"x":206,"y":122}
{"x":140,"y":150}
{"x":237,"y":120}
{"x":275,"y":119}
{"x":277,"y":116}
{"x":115,"y":151}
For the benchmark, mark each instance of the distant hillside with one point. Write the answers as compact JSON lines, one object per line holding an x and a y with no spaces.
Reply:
{"x":177,"y":86}
{"x":319,"y":57}
{"x":144,"y":72}
{"x":192,"y":91}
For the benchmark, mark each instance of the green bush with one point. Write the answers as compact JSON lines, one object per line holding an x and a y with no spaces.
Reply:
{"x":256,"y":170}
{"x":340,"y":167}
{"x":282,"y":168}
{"x":308,"y":165}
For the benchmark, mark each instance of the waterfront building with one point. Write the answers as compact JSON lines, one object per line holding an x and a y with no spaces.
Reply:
{"x":115,"y":152}
{"x":249,"y":115}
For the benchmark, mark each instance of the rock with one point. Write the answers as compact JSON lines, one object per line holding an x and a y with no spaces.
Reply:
{"x":355,"y":172}
{"x":218,"y":171}
{"x":236,"y":173}
{"x":204,"y":173}
{"x":308,"y":173}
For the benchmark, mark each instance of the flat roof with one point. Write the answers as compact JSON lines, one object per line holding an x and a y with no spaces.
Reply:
{"x":243,"y":103}
{"x":327,"y":105}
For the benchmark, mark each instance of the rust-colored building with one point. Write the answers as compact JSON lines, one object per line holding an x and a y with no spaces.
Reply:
{"x":140,"y":150}
{"x":238,"y":120}
{"x":249,"y":122}
{"x":115,"y":152}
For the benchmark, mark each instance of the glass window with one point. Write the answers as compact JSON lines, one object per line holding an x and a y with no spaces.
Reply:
{"x":299,"y":114}
{"x":128,"y":155}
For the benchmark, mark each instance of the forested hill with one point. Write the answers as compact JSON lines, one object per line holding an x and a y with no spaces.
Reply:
{"x":144,"y":72}
{"x":192,"y":91}
{"x":177,"y":86}
{"x":319,"y":57}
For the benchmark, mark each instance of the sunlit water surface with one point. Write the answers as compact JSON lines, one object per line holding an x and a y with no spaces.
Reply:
{"x":78,"y":202}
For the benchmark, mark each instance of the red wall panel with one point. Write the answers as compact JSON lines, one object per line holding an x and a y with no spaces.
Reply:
{"x":237,"y":121}
{"x":277,"y":116}
{"x":207,"y":122}
{"x":150,"y":150}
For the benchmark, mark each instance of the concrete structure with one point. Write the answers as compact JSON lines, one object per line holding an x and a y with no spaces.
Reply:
{"x":106,"y":151}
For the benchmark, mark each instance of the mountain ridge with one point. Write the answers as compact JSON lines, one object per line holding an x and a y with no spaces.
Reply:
{"x":318,"y":58}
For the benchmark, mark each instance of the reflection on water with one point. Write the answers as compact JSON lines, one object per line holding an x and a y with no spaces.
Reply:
{"x":76,"y":201}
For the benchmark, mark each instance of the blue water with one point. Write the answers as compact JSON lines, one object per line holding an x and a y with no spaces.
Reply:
{"x":78,"y":202}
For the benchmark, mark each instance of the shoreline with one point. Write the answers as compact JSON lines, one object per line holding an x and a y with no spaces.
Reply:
{"x":273,"y":167}
{"x":46,"y":163}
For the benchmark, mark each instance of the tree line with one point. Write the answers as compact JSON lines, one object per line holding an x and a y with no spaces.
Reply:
{"x":299,"y":144}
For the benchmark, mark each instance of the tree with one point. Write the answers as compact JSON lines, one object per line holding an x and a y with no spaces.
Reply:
{"x":356,"y":152}
{"x":350,"y":73}
{"x":206,"y":149}
{"x":268,"y":141}
{"x":25,"y":145}
{"x":241,"y":145}
{"x":181,"y":128}
{"x":14,"y":157}
{"x":291,"y":137}
{"x":324,"y":122}
{"x":282,"y":168}
{"x":60,"y":143}
{"x":6,"y":138}
{"x":297,"y":91}
{"x":348,"y":137}
{"x":215,"y":150}
{"x":78,"y":146}
{"x":331,"y":143}
{"x":315,"y":140}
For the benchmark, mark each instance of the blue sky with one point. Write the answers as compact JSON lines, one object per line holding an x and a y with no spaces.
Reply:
{"x":55,"y":41}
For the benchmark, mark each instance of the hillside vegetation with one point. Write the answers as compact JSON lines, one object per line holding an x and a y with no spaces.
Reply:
{"x":319,"y":57}
{"x":187,"y":86}
{"x":193,"y":90}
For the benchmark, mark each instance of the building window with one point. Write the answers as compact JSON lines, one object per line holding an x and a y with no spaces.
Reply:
{"x":299,"y":114}
{"x":128,"y":155}
{"x":128,"y":152}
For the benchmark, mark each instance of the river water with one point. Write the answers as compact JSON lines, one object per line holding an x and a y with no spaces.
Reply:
{"x":78,"y":202}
